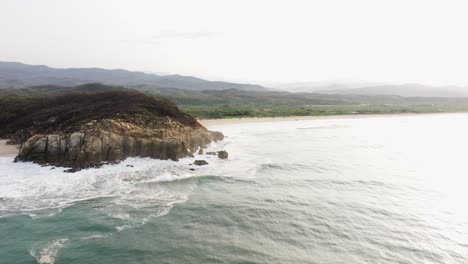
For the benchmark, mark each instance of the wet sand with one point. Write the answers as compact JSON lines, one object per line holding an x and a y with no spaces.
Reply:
{"x":7,"y":150}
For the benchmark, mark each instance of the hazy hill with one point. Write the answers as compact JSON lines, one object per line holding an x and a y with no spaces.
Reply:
{"x":368,"y":88}
{"x":14,"y":74}
{"x":406,"y":90}
{"x":311,"y":87}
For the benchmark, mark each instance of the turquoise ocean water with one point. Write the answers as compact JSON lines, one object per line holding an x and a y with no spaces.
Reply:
{"x":370,"y":190}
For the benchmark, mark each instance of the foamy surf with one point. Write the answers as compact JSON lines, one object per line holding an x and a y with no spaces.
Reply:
{"x":48,"y":254}
{"x":29,"y":189}
{"x":132,"y":192}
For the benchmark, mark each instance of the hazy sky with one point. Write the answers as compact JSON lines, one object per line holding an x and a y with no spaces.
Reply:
{"x":255,"y":41}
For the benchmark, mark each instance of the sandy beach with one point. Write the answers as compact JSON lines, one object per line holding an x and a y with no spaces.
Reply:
{"x":7,"y":150}
{"x":226,"y":121}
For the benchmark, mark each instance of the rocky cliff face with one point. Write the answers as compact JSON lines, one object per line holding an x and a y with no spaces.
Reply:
{"x":112,"y":140}
{"x":108,"y":127}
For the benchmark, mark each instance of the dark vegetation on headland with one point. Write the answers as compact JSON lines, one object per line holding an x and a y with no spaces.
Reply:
{"x":46,"y":113}
{"x":232,"y":103}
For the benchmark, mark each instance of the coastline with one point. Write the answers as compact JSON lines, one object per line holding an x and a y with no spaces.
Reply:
{"x":12,"y":150}
{"x":8,"y":150}
{"x":241,"y":120}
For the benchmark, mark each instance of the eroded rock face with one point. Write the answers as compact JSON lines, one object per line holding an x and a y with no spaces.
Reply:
{"x":112,"y":140}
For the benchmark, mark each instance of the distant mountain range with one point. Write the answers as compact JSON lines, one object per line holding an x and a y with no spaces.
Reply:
{"x":368,"y":88}
{"x":15,"y":75}
{"x":19,"y":75}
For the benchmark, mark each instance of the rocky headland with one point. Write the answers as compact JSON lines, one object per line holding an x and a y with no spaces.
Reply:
{"x":84,"y":130}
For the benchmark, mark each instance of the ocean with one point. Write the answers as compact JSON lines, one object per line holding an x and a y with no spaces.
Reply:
{"x":386,"y":189}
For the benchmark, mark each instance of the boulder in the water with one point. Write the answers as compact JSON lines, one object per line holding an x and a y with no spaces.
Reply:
{"x":200,"y":162}
{"x":223,"y":154}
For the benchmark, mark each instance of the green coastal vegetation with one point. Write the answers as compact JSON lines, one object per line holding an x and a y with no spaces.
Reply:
{"x":233,"y":103}
{"x":229,"y":111}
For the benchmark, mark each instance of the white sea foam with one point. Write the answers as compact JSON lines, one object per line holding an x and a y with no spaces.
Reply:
{"x":48,"y":254}
{"x":95,"y":237}
{"x":27,"y":188}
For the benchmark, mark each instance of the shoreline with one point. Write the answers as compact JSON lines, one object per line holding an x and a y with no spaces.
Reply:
{"x":12,"y":150}
{"x":8,"y":150}
{"x":243,"y":120}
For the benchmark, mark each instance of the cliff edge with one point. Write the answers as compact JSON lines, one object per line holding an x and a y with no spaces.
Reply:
{"x":86,"y":130}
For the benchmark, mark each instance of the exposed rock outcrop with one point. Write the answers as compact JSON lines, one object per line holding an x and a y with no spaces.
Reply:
{"x":134,"y":125}
{"x":200,"y":162}
{"x":112,"y":140}
{"x":223,"y":154}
